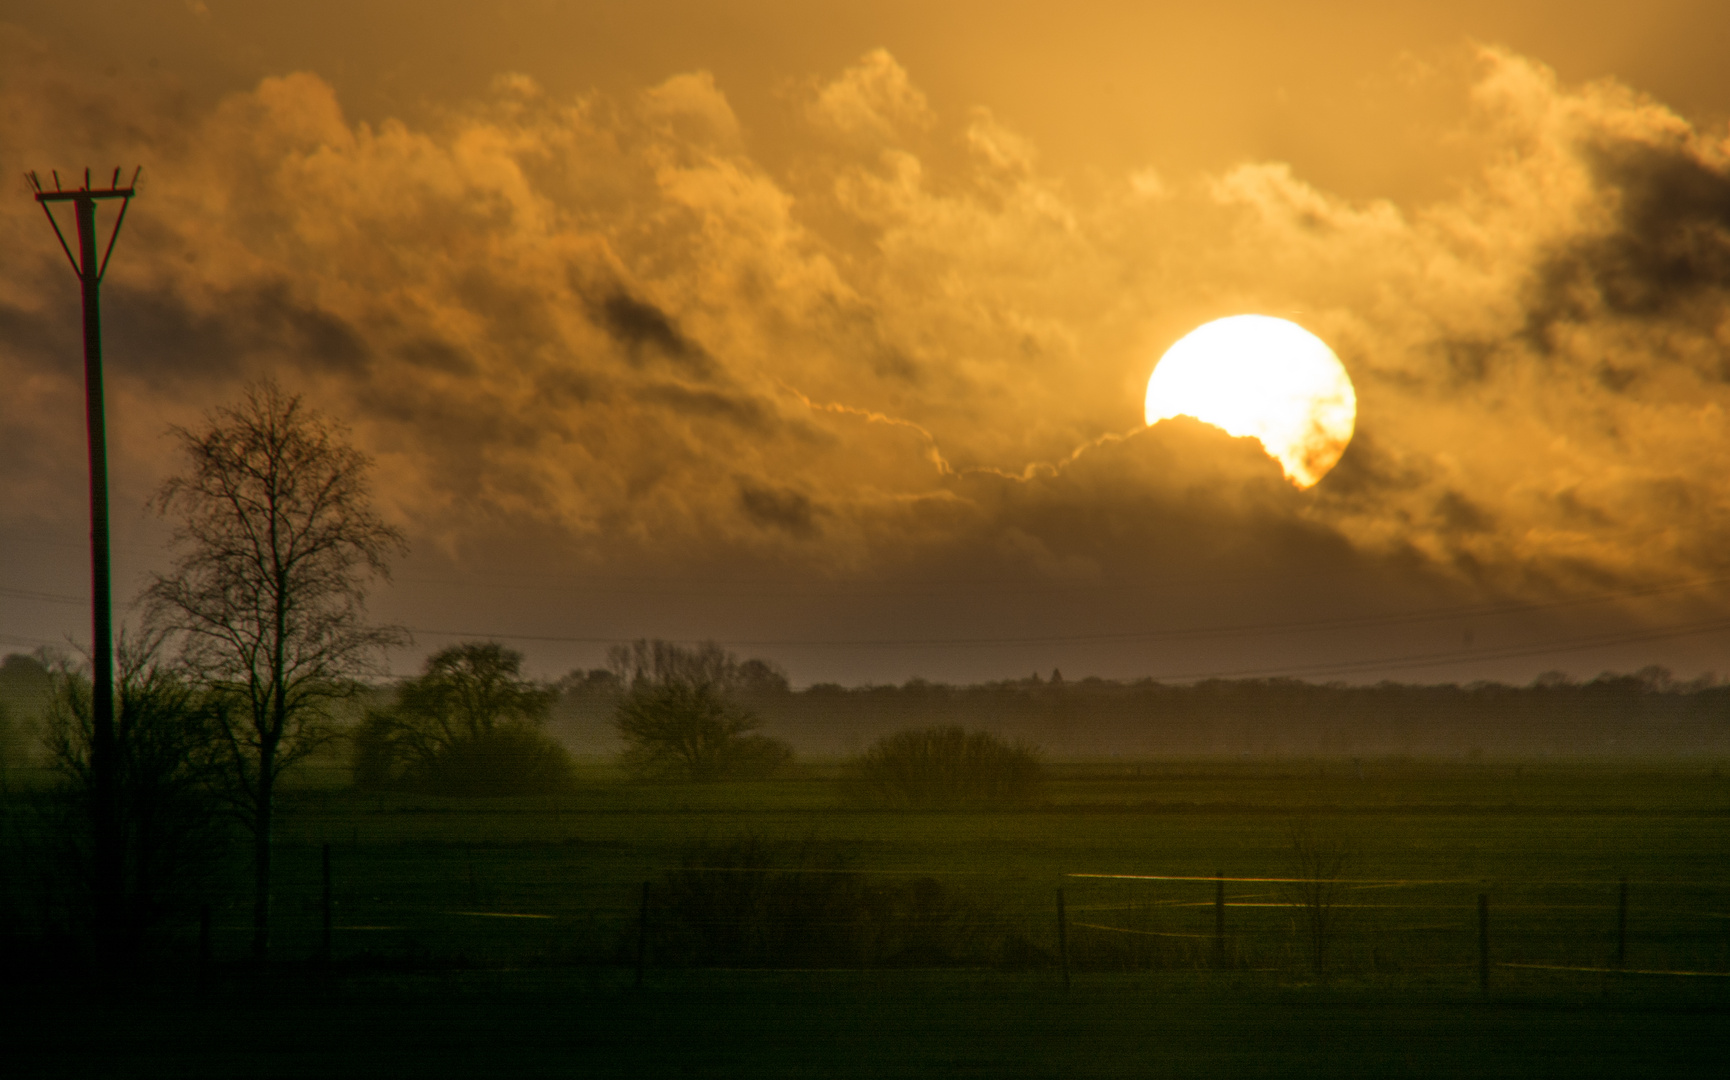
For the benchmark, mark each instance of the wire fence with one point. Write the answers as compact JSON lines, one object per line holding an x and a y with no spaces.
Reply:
{"x":742,"y":912}
{"x":1402,"y":927}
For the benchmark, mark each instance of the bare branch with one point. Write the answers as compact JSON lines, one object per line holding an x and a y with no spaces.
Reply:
{"x":276,"y":544}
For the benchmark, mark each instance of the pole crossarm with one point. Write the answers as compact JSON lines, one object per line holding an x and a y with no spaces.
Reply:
{"x":89,"y":195}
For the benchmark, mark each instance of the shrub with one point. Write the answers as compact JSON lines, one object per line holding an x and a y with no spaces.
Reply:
{"x":504,"y":761}
{"x":171,"y":819}
{"x":468,"y":726}
{"x":948,"y":766}
{"x":736,"y":904}
{"x":378,"y":760}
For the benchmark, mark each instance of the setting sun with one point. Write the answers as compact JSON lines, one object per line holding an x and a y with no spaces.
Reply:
{"x":1261,"y":377}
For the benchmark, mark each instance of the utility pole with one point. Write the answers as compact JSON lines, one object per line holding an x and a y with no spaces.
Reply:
{"x":103,"y":758}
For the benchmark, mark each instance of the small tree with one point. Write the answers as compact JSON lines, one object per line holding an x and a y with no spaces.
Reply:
{"x":26,"y":685}
{"x":939,"y":766}
{"x":166,"y":750}
{"x":467,"y":726}
{"x":1317,"y":863}
{"x":276,"y":544}
{"x":679,"y":716}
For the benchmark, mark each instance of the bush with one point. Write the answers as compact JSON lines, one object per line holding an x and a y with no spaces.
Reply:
{"x":503,"y":761}
{"x":172,"y":821}
{"x":378,"y":761}
{"x":736,"y":905}
{"x":468,"y":726}
{"x":948,"y":766}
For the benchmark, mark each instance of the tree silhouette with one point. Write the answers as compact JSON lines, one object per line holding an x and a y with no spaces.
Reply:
{"x":276,"y":544}
{"x":468,"y":690}
{"x":1316,"y":892}
{"x":679,"y":716}
{"x":947,"y":765}
{"x":466,"y":726}
{"x":166,"y":760}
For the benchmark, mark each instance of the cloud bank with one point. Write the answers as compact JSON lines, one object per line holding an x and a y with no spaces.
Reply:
{"x":602,"y":322}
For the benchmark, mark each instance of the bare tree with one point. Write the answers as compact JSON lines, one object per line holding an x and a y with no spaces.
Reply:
{"x":470,"y":689}
{"x":679,"y":716}
{"x":276,"y":544}
{"x":1317,"y":889}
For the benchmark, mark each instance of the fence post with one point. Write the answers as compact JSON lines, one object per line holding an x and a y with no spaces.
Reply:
{"x":1622,"y":924}
{"x":203,"y":945}
{"x":642,"y":934}
{"x":1484,"y":942}
{"x":1063,"y":939}
{"x":1219,"y":918}
{"x":324,"y":943}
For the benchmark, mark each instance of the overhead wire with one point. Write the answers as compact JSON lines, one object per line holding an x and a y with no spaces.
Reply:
{"x":1187,"y":633}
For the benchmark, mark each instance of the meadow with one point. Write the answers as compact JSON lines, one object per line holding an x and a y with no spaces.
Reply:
{"x":559,"y":879}
{"x":792,"y":930}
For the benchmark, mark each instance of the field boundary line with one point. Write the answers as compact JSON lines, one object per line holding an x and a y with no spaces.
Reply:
{"x":821,"y":870}
{"x":499,"y":914}
{"x":1145,"y":933}
{"x":339,"y":926}
{"x":1620,"y":971}
{"x":1397,"y":882}
{"x":1386,"y":882}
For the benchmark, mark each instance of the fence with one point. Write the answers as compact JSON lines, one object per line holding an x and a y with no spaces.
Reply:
{"x":738,"y":910}
{"x":1450,"y":928}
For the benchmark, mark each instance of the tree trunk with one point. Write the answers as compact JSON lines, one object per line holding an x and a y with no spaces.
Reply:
{"x":261,"y":823}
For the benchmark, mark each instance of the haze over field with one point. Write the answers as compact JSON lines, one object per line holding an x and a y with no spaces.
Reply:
{"x":826,"y":336}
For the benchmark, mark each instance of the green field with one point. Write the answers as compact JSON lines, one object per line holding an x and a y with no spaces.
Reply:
{"x":515,"y":924}
{"x":1547,"y":843}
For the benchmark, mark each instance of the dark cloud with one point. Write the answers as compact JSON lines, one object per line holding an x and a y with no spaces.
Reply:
{"x":737,"y":409}
{"x":322,"y":338}
{"x":1669,"y":247}
{"x":436,"y":355}
{"x":159,"y":336}
{"x":1673,"y":242}
{"x":41,"y":337}
{"x":1469,"y":361}
{"x":644,"y":328}
{"x":1370,"y":470}
{"x":154,"y":335}
{"x":1577,"y":512}
{"x":1458,"y":514}
{"x":1616,"y":379}
{"x":777,"y":508}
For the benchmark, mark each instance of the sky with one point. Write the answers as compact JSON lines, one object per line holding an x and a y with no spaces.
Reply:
{"x":822,"y":330}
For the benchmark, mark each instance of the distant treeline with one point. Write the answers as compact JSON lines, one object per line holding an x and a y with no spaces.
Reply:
{"x":1645,"y":713}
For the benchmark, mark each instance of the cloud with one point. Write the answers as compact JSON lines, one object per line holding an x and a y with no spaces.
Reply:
{"x":602,"y":319}
{"x":873,"y":99}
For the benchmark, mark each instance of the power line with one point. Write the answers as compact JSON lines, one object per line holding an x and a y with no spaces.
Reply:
{"x":46,"y":597}
{"x":1429,"y":659}
{"x":1189,"y":633}
{"x":1440,"y":659}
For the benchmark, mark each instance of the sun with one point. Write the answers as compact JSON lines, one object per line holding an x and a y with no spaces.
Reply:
{"x":1262,"y":377}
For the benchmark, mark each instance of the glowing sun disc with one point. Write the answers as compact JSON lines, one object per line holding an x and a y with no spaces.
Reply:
{"x":1262,"y":377}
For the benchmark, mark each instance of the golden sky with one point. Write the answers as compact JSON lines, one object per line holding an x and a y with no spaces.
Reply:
{"x":825,"y":333}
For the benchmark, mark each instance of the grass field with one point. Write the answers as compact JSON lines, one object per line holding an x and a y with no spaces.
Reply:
{"x":1547,"y":842}
{"x":514,"y":924}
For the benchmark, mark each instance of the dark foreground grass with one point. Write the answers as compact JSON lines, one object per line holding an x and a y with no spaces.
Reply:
{"x":499,"y":936}
{"x":859,"y":1024}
